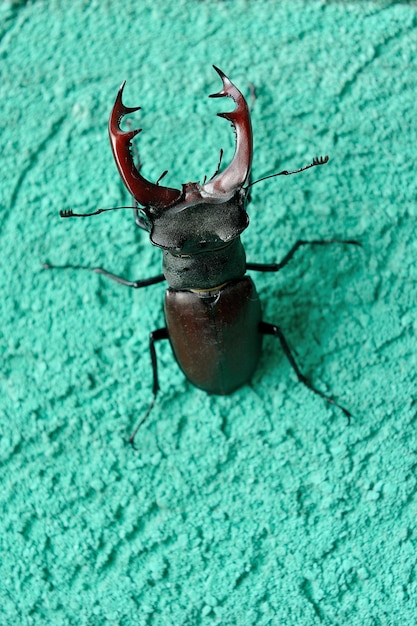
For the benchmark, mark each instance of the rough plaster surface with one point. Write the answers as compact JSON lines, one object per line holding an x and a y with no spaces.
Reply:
{"x":260,"y":508}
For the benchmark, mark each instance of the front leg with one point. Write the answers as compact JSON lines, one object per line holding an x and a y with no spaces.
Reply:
{"x":136,"y":284}
{"x":275,"y":267}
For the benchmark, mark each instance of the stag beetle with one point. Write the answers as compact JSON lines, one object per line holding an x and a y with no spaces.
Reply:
{"x":212,"y":310}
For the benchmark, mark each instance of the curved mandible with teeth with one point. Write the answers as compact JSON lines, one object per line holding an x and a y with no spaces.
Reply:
{"x":218,"y":189}
{"x":145,"y":192}
{"x":237,"y":173}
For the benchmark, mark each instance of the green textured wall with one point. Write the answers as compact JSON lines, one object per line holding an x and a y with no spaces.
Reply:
{"x":260,"y":508}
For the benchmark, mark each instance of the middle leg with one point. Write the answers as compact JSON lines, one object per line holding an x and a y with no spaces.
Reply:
{"x":275,"y":267}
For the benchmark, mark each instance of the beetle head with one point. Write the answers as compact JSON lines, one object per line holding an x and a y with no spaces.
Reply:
{"x":199,"y":216}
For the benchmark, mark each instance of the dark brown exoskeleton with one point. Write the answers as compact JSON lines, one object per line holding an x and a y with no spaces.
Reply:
{"x":212,"y":310}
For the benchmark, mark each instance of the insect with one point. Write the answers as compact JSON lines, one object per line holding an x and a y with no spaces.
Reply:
{"x":212,"y":310}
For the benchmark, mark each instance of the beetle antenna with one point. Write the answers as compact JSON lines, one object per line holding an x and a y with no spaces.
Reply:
{"x":217,"y":168}
{"x":161,"y":177}
{"x":316,"y":161}
{"x":70,"y":212}
{"x":219,"y":163}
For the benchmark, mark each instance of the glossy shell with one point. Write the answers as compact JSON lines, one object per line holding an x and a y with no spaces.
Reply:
{"x":215,"y":335}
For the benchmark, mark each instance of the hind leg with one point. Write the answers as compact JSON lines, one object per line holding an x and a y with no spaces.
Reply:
{"x":275,"y":331}
{"x":156,"y":335}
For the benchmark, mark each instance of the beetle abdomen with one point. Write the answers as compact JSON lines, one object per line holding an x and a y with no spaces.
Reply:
{"x":214,"y":335}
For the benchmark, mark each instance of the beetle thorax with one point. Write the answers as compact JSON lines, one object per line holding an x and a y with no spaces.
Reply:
{"x":193,"y":227}
{"x":206,"y":269}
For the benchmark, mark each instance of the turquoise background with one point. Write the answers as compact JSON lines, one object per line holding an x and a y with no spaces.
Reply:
{"x":259,"y":508}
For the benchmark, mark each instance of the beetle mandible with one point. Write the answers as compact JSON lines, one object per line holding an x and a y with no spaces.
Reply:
{"x":212,"y":310}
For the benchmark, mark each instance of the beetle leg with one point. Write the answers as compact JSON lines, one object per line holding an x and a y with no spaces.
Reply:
{"x":218,"y":166}
{"x":136,"y":284}
{"x":156,"y":335}
{"x":275,"y":267}
{"x":275,"y":331}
